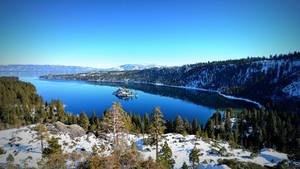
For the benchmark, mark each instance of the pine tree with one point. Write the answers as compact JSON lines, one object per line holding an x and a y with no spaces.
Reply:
{"x":169,"y":126}
{"x":143,"y":127}
{"x":172,"y":125}
{"x":157,"y":127}
{"x":218,"y":137}
{"x":41,"y":114}
{"x":205,"y":136}
{"x":236,"y":132}
{"x":84,"y":121}
{"x":42,"y":133}
{"x":184,"y":166}
{"x":165,"y":156}
{"x":194,"y":157}
{"x":179,"y":127}
{"x":228,"y":129}
{"x":136,"y":125}
{"x":53,"y":147}
{"x":147,"y":122}
{"x":72,"y":119}
{"x":94,"y":122}
{"x":60,"y":111}
{"x":187,"y":126}
{"x":210,"y":128}
{"x":185,"y":133}
{"x":195,"y":125}
{"x":198,"y":133}
{"x":104,"y":114}
{"x":115,"y":122}
{"x":10,"y":159}
{"x":222,"y":131}
{"x":218,"y":117}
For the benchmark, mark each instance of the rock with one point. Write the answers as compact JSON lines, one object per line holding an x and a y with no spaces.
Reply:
{"x":90,"y":134}
{"x":73,"y":130}
{"x":102,"y":135}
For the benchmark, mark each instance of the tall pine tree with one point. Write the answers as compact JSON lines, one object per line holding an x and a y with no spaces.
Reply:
{"x":157,"y":127}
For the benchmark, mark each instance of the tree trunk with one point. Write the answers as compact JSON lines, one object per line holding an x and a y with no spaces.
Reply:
{"x":42,"y":144}
{"x":156,"y":142}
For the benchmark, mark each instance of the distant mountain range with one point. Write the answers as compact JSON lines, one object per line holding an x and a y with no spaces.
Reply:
{"x":40,"y":70}
{"x":136,"y":66}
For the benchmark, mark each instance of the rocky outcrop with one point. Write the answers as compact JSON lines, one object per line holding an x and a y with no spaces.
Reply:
{"x":73,"y":130}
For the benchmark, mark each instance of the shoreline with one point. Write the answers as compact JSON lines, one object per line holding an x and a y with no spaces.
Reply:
{"x":187,"y":87}
{"x":181,"y":87}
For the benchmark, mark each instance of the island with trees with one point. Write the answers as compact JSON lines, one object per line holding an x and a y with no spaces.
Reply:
{"x":124,"y":94}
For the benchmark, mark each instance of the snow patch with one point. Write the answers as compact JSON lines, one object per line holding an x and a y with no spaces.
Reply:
{"x":292,"y":89}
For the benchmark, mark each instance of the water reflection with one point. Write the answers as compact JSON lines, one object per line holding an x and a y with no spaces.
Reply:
{"x":198,"y":97}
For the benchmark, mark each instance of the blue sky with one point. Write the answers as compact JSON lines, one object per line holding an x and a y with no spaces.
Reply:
{"x":110,"y":33}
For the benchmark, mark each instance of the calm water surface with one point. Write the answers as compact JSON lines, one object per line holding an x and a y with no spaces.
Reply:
{"x":79,"y":96}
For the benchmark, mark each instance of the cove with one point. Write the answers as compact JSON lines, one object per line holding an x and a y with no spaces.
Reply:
{"x":84,"y":96}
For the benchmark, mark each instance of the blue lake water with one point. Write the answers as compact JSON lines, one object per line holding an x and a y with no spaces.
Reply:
{"x":83,"y":96}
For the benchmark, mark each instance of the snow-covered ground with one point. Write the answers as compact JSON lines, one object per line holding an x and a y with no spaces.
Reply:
{"x":292,"y":89}
{"x":181,"y":147}
{"x":21,"y":143}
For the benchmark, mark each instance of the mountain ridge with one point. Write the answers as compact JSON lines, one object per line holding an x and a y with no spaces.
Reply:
{"x":266,"y":80}
{"x":34,"y":70}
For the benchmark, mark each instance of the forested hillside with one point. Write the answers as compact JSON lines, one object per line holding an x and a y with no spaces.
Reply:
{"x":266,"y":80}
{"x":21,"y":105}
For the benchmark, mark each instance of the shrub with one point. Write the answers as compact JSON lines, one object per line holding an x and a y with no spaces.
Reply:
{"x":10,"y":158}
{"x":213,"y":151}
{"x":222,"y":151}
{"x":95,"y":148}
{"x":238,"y":164}
{"x":146,"y":142}
{"x":102,"y":148}
{"x":253,"y":155}
{"x":75,"y":156}
{"x":2,"y":151}
{"x":284,"y":165}
{"x":65,"y":143}
{"x":53,"y":160}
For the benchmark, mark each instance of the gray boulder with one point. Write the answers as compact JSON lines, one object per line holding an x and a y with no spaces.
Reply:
{"x":73,"y":130}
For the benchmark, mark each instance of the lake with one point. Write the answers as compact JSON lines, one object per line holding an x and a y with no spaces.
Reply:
{"x":83,"y":96}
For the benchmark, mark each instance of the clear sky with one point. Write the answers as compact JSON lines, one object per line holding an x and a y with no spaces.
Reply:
{"x":110,"y":33}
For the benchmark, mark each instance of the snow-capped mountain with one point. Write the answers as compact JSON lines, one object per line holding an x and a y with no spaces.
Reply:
{"x":40,"y":70}
{"x":137,"y":66}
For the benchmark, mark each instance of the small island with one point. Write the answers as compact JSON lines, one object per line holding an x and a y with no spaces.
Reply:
{"x":123,"y":93}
